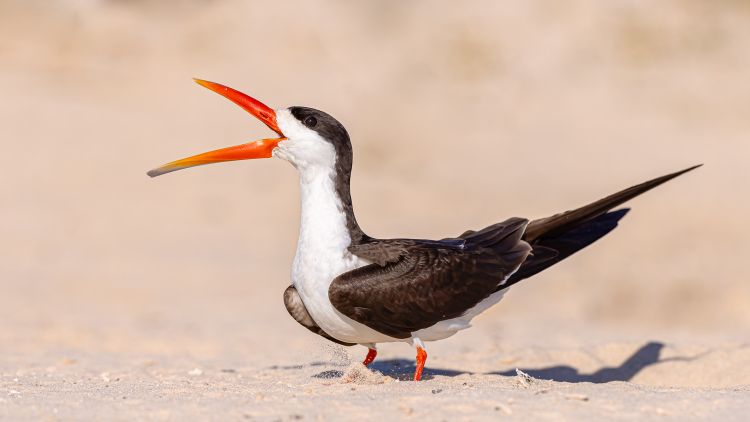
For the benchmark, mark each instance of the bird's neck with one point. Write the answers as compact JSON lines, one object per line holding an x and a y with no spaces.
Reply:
{"x":325,"y":235}
{"x":327,"y":217}
{"x":342,"y":184}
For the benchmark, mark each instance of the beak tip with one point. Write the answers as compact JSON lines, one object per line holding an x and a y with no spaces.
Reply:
{"x":204,"y":83}
{"x":155,"y":172}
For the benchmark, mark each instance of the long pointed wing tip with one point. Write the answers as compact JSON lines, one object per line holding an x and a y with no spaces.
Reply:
{"x":691,"y":168}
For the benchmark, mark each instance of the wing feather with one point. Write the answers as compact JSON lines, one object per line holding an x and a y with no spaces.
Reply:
{"x":413,"y":284}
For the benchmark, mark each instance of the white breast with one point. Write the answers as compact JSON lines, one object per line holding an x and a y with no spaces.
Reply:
{"x":322,"y":247}
{"x":322,"y":255}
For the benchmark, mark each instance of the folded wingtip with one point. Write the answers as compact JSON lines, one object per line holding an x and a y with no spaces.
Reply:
{"x":681,"y":172}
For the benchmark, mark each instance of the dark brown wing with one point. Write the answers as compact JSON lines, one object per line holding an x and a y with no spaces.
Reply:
{"x":384,"y":251}
{"x":415,"y":284}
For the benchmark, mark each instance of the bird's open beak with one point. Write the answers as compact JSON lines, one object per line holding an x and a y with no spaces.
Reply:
{"x":258,"y":149}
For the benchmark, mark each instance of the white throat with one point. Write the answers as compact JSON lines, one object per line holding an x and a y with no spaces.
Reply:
{"x":323,"y":230}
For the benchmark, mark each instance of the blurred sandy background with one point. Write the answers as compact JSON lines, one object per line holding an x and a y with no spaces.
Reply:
{"x":461,"y":114}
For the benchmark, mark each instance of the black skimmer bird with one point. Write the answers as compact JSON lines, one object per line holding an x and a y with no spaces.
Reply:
{"x":355,"y":289}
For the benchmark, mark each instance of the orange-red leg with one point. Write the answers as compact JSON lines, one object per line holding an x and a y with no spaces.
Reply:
{"x":371,"y":353}
{"x":421,"y":359}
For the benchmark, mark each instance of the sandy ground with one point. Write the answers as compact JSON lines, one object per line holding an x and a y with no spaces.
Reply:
{"x":126,"y":298}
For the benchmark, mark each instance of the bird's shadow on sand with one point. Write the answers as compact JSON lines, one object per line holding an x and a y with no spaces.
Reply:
{"x":645,"y":356}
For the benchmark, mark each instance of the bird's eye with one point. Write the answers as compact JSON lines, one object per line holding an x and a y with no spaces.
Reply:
{"x":310,"y":121}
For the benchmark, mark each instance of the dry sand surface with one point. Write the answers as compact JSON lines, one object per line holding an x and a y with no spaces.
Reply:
{"x":127,"y":298}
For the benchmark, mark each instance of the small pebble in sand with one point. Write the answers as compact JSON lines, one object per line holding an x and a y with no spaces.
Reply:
{"x":104,"y":376}
{"x":195,"y":372}
{"x":504,"y":408}
{"x":523,"y":378}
